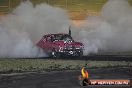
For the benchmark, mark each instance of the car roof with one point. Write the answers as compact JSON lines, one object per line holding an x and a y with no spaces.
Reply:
{"x":55,"y":34}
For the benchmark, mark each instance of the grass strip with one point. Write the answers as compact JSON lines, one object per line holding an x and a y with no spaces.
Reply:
{"x":28,"y":65}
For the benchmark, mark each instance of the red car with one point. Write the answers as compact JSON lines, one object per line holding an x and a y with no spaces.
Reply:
{"x":57,"y":45}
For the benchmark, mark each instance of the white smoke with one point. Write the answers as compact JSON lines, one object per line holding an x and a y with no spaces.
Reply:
{"x":21,"y":30}
{"x":111,"y":31}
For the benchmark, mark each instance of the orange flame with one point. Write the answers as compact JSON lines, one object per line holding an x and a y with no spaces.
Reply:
{"x":84,"y":73}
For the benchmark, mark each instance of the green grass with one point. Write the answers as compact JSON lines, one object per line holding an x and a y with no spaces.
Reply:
{"x":72,"y":5}
{"x":78,"y":9}
{"x":22,"y":65}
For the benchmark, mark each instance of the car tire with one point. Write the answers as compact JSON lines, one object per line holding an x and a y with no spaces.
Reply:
{"x":54,"y":54}
{"x":80,"y":54}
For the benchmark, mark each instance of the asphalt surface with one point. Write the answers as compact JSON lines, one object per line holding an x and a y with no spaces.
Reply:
{"x":61,"y":79}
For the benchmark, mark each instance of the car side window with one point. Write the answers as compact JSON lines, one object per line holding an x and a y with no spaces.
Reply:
{"x":44,"y":38}
{"x":49,"y":38}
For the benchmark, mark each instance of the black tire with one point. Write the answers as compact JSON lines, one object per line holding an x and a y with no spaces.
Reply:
{"x":80,"y":54}
{"x":55,"y":54}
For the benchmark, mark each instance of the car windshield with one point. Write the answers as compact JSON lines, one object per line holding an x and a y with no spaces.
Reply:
{"x":65,"y":38}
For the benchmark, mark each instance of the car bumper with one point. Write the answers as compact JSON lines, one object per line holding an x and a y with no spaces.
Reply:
{"x":71,"y":52}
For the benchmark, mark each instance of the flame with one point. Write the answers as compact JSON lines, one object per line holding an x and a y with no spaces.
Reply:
{"x":84,"y":73}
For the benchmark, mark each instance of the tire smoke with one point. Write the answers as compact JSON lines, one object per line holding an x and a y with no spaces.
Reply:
{"x":109,"y":32}
{"x":24,"y":27}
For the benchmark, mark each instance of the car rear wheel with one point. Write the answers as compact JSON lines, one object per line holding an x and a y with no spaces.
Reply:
{"x":54,"y":54}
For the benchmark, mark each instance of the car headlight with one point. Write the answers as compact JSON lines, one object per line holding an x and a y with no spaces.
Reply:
{"x":78,"y":47}
{"x":61,"y":48}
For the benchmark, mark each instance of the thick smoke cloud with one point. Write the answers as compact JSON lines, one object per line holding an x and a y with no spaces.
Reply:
{"x":24,"y":27}
{"x":111,"y":31}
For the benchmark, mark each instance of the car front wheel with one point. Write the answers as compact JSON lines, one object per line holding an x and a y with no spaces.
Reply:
{"x":80,"y":54}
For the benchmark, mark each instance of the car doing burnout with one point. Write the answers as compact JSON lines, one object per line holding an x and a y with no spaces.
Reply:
{"x":57,"y":45}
